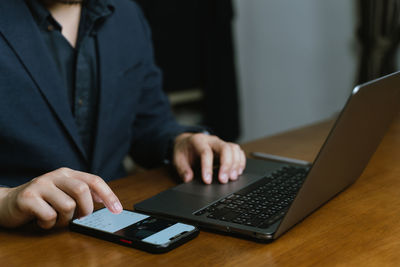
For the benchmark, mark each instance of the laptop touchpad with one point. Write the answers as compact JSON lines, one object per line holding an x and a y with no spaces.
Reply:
{"x":216,"y":190}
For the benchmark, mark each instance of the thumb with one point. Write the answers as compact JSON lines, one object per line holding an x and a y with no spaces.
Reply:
{"x":181,"y":162}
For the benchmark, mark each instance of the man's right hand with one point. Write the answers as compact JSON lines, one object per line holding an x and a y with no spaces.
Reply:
{"x":55,"y":198}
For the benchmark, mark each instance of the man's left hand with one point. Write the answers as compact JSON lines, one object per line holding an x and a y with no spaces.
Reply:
{"x":189,"y":147}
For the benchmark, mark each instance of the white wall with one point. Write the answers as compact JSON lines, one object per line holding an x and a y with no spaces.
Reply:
{"x":296,"y":61}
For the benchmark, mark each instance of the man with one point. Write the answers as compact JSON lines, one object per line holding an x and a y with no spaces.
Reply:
{"x":78,"y":92}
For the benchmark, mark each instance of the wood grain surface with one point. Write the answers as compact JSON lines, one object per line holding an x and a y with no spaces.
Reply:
{"x":360,"y":227}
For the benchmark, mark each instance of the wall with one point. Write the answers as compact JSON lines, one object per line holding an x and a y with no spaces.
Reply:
{"x":296,"y":62}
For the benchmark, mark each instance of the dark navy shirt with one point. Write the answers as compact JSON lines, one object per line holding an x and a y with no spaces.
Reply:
{"x":78,"y":66}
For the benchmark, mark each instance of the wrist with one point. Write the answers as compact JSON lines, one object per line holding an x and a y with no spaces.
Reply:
{"x":4,"y":206}
{"x":3,"y":192}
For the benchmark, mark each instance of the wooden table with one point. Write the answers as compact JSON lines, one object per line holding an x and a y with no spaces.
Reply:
{"x":360,"y":227}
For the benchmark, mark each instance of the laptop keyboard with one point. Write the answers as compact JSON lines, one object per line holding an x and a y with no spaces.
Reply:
{"x":262,"y":203}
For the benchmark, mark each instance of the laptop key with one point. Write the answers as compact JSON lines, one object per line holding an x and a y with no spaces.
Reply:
{"x":217,"y":214}
{"x":255,"y":222}
{"x":232,"y":206}
{"x":201,"y":212}
{"x":230,"y":216}
{"x":267,"y":223}
{"x":240,"y":220}
{"x":211,"y":216}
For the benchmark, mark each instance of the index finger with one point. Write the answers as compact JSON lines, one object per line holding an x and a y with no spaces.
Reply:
{"x":100,"y":188}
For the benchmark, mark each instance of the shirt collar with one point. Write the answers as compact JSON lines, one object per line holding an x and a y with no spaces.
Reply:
{"x":96,"y":9}
{"x":40,"y":14}
{"x":99,"y":8}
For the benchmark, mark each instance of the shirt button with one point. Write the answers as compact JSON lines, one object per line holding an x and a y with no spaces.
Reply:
{"x":80,"y":102}
{"x":50,"y":28}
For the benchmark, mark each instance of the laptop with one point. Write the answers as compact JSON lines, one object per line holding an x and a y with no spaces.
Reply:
{"x":272,"y":196}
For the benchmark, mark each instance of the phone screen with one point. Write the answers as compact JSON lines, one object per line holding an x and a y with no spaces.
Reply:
{"x":135,"y":226}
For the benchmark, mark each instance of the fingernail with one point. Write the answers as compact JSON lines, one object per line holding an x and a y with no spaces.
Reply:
{"x":117,"y":207}
{"x":207,"y":178}
{"x":186,"y":177}
{"x":234,"y":175}
{"x":224,"y":177}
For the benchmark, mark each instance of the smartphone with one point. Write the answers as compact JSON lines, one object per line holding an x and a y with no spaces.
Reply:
{"x":137,"y":230}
